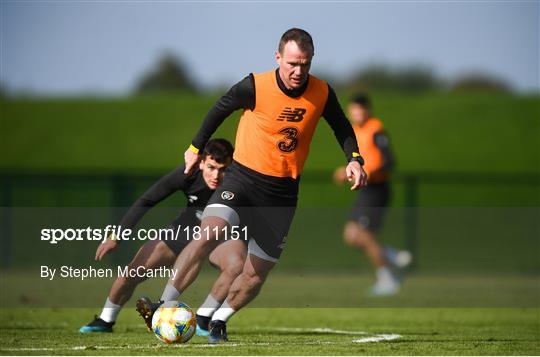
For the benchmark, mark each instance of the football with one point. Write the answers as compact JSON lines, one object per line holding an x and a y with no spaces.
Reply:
{"x":174,"y":322}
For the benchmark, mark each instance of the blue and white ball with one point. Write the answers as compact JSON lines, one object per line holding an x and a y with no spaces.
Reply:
{"x":174,"y":322}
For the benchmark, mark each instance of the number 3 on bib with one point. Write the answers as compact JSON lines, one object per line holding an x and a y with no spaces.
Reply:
{"x":289,"y":142}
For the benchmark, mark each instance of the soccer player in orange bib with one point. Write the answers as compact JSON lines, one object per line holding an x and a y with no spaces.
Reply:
{"x":372,"y":201}
{"x":281,"y":109}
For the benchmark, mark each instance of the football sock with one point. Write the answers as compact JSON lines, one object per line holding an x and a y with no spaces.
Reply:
{"x":170,"y":293}
{"x":390,"y":254}
{"x":110,"y":311}
{"x":224,"y":312}
{"x":385,"y":275}
{"x":397,"y":258}
{"x":208,"y":307}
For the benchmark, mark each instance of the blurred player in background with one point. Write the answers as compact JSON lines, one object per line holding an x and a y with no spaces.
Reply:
{"x":371,"y":203}
{"x":229,"y":257}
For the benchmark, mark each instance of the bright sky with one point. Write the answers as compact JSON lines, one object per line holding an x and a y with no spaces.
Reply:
{"x":60,"y":47}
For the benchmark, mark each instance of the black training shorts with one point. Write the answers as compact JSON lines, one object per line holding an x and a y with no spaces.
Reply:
{"x":371,"y":204}
{"x":185,"y":227}
{"x":264,"y":204}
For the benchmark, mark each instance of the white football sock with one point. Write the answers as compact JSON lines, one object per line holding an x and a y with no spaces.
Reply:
{"x":397,"y":258}
{"x":170,"y":293}
{"x":384,"y":275}
{"x":208,"y":307}
{"x":224,"y":312}
{"x":110,"y":311}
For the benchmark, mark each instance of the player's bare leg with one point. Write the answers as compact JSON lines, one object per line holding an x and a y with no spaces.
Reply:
{"x":188,"y":264}
{"x":191,"y":259}
{"x":151,"y":255}
{"x":249,"y":283}
{"x":357,"y":236}
{"x":244,"y":289}
{"x":229,"y":257}
{"x":387,"y":270}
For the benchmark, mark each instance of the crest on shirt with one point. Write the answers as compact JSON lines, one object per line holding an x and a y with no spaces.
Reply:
{"x":192,"y":198}
{"x":227,"y":195}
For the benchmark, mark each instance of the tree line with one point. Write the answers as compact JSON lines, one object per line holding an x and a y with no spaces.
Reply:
{"x":172,"y":74}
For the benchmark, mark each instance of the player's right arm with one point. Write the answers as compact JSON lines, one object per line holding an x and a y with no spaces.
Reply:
{"x":163,"y":188}
{"x":239,"y":96}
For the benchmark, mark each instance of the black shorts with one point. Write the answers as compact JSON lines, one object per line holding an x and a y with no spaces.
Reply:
{"x":371,"y":204}
{"x":264,"y":204}
{"x":184,"y":223}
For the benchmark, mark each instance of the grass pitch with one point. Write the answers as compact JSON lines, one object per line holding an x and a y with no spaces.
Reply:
{"x":493,"y":314}
{"x":278,"y":331}
{"x":433,"y":315}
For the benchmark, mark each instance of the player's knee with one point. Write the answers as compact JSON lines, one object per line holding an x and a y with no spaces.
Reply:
{"x":234,"y":265}
{"x":350,"y":232}
{"x":203,"y":247}
{"x":353,"y":235}
{"x":130,"y":281}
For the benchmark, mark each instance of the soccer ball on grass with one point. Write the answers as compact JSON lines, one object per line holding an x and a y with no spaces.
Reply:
{"x":174,"y":322}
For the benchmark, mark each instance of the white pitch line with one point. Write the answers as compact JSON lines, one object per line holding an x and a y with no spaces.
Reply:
{"x":377,"y":338}
{"x":320,"y":330}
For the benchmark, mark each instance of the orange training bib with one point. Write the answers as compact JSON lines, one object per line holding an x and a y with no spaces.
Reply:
{"x":274,"y":138}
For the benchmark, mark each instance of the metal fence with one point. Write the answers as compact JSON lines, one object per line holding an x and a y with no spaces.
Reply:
{"x":121,"y":189}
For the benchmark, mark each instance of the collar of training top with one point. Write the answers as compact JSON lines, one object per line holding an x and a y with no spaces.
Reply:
{"x":293,"y":93}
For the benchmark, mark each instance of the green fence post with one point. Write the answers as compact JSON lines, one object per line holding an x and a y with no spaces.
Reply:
{"x":411,"y":217}
{"x":5,"y":223}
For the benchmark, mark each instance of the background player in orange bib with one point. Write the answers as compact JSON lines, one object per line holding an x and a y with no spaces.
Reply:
{"x":372,"y":201}
{"x":281,"y":109}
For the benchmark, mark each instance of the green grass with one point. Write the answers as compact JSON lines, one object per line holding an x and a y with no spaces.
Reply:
{"x":289,"y":289}
{"x":278,"y":331}
{"x":467,"y":314}
{"x":430,"y":132}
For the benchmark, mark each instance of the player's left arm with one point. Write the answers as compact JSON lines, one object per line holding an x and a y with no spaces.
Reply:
{"x":344,"y":134}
